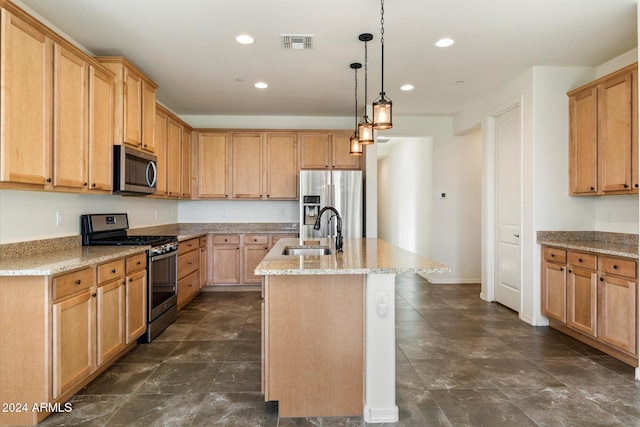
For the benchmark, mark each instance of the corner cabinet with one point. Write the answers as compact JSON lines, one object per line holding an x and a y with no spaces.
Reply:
{"x":603,"y":135}
{"x":593,"y":298}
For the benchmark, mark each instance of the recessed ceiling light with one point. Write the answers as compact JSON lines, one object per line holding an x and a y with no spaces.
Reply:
{"x":406,"y":87}
{"x":445,"y":42}
{"x":244,"y":39}
{"x":261,"y":85}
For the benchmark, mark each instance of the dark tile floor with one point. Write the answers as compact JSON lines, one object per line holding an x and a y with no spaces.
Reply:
{"x":460,"y":362}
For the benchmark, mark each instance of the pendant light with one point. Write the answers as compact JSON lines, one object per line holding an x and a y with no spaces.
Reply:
{"x":382,"y":105}
{"x":365,"y":128}
{"x":354,"y":142}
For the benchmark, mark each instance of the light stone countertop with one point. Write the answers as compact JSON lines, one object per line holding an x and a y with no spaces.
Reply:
{"x":616,"y":244}
{"x":56,"y":262}
{"x":360,"y":256}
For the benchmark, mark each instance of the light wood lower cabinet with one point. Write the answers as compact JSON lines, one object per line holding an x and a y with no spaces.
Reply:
{"x":593,"y":298}
{"x":188,"y":271}
{"x":255,"y":248}
{"x":202,"y":267}
{"x":226,"y":259}
{"x":110,"y":319}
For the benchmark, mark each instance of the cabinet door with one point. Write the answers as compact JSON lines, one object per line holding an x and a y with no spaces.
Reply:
{"x":202,"y":268}
{"x":315,"y":150}
{"x":160,"y":144}
{"x":554,"y":295}
{"x":582,"y":300}
{"x":174,"y":137}
{"x":614,"y":134}
{"x":246,"y":165}
{"x":583,"y":147}
{"x":187,"y":287}
{"x":213,"y":162}
{"x":136,"y":305}
{"x":281,"y":166}
{"x":226,"y":264}
{"x":26,"y":97}
{"x":110,"y":319}
{"x":253,"y":254}
{"x":617,"y":312}
{"x":148,"y":116}
{"x":100,"y":130}
{"x":185,"y":181}
{"x":634,"y":131}
{"x":340,"y":152}
{"x":73,"y":341}
{"x":70,"y":112}
{"x":132,"y":108}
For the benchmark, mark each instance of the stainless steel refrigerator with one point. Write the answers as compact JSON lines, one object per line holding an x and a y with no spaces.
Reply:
{"x":344,"y":190}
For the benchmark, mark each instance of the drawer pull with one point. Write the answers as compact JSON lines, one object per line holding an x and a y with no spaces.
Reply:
{"x":113,"y":271}
{"x":553,"y":255}
{"x":561,"y":268}
{"x":602,"y":279}
{"x":615,"y":267}
{"x":94,"y":294}
{"x":78,"y":281}
{"x":569,"y":270}
{"x":139,"y":262}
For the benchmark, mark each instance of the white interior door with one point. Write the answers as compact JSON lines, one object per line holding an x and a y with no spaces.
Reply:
{"x":507,"y":144}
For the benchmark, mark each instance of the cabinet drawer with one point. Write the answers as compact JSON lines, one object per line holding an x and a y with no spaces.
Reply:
{"x":188,"y":245}
{"x":110,"y":270}
{"x":226,"y":239}
{"x":555,"y":255}
{"x":71,"y":283}
{"x":136,"y":262}
{"x":618,"y":266}
{"x":578,"y":259}
{"x":187,"y":286}
{"x":188,"y":263}
{"x":254,"y":239}
{"x":203,"y":241}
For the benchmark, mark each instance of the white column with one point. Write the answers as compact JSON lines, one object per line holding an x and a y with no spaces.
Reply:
{"x":380,"y":350}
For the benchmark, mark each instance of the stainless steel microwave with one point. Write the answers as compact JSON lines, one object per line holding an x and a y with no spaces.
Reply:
{"x":134,"y":172}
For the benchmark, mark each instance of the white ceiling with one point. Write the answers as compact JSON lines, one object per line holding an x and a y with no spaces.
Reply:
{"x":188,"y":48}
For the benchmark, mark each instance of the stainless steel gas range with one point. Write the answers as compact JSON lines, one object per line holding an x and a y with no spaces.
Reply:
{"x":162,"y":265}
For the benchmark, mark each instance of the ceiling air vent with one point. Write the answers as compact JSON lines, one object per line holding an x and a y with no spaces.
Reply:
{"x":296,"y":41}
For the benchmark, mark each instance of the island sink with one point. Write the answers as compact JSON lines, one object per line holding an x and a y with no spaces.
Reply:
{"x":306,"y":250}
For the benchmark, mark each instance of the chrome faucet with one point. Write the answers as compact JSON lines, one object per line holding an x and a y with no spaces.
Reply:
{"x":316,"y":226}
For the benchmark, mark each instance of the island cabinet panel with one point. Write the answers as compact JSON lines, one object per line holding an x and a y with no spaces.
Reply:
{"x":314,"y":344}
{"x":26,"y":96}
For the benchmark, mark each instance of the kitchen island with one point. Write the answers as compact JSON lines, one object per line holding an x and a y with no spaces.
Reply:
{"x":329,"y":326}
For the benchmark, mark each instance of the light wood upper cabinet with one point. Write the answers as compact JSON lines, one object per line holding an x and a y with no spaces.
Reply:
{"x":603,"y":135}
{"x":148,"y":116}
{"x":100,"y":129}
{"x":160,"y":144}
{"x":174,"y":148}
{"x":246,"y":165}
{"x":281,"y":166}
{"x":26,"y":98}
{"x":134,"y":104}
{"x":213,"y":156}
{"x":70,"y":133}
{"x":326,"y":150}
{"x":185,"y":181}
{"x":315,"y":151}
{"x":340,"y":148}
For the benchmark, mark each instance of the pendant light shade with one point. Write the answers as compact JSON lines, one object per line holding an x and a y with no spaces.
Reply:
{"x":355,"y":148}
{"x":365,"y":128}
{"x":382,"y":105}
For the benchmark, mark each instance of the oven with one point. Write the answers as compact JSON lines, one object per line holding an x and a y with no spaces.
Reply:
{"x":162,"y":265}
{"x":162,"y":277}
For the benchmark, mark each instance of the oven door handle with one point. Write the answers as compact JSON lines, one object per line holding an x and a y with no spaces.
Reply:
{"x":162,"y":256}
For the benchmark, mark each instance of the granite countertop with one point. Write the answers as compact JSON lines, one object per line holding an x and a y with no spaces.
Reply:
{"x":56,"y":262}
{"x":616,"y":244}
{"x":360,"y":256}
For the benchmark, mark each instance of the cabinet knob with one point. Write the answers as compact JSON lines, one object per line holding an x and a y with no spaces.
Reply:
{"x":615,"y":267}
{"x":602,"y":279}
{"x":78,"y":281}
{"x":86,"y":184}
{"x":130,"y":280}
{"x":561,"y":268}
{"x":553,"y":255}
{"x":113,"y":271}
{"x":138,"y":263}
{"x":94,"y":295}
{"x":626,"y":186}
{"x":593,"y":189}
{"x":569,"y":271}
{"x":636,"y":185}
{"x":93,"y":185}
{"x":48,"y":179}
{"x":579,"y":259}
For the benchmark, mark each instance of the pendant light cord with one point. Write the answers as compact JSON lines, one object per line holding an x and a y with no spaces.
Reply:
{"x":382,"y":43}
{"x":365,"y":79}
{"x":356,"y":97}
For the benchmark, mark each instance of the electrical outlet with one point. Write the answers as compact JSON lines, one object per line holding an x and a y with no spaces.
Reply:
{"x":282,"y":212}
{"x":155,"y":213}
{"x":59,"y":218}
{"x":225,"y":213}
{"x":382,"y":297}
